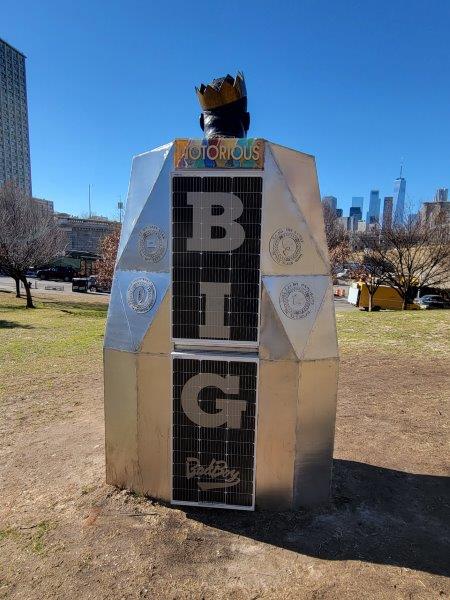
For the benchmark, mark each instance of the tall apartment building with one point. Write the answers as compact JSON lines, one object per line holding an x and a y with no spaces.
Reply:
{"x":14,"y":137}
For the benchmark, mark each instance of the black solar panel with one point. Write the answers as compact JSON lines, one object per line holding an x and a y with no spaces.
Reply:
{"x":216,"y":257}
{"x":214,"y":418}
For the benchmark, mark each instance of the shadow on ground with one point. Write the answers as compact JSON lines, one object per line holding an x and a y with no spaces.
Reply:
{"x":377,"y":515}
{"x":14,"y":325}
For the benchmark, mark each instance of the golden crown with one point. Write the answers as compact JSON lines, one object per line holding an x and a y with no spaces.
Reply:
{"x":222,"y":91}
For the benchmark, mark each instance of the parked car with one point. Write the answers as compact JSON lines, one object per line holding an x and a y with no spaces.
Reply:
{"x":94,"y":286}
{"x":80,"y":284}
{"x":432,"y":301}
{"x":55,"y":273}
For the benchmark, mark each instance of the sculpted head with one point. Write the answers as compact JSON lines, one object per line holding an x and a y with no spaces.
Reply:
{"x":224,"y":107}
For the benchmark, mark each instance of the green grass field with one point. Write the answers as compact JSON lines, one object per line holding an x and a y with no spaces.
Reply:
{"x":418,"y":332}
{"x":57,"y":338}
{"x":65,"y":337}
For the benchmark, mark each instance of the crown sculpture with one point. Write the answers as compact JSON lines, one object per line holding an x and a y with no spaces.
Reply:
{"x":221,"y":358}
{"x":224,"y":106}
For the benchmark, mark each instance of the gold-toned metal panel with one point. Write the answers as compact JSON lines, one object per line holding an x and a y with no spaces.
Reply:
{"x":287,"y":244}
{"x":322,"y":341}
{"x":154,"y":424}
{"x":275,"y":450}
{"x":299,"y":170}
{"x":120,"y":418}
{"x":317,"y":395}
{"x":274,"y":343}
{"x":157,"y":338}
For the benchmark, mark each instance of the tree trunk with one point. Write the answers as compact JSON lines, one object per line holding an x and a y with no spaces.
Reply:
{"x":28,"y":292}
{"x":17,"y":280}
{"x":370,"y":301}
{"x":404,"y":303}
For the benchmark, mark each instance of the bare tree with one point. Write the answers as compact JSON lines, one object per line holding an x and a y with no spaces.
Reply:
{"x":104,"y":268}
{"x":29,"y":236}
{"x":369,"y":268}
{"x":337,"y":238}
{"x":411,"y":255}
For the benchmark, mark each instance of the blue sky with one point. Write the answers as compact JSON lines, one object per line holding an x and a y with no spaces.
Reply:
{"x":360,"y":85}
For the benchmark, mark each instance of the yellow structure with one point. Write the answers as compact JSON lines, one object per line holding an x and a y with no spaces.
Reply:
{"x":385,"y":297}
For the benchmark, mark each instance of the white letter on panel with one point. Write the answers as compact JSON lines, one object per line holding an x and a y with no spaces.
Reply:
{"x":230,"y":412}
{"x":204,"y":220}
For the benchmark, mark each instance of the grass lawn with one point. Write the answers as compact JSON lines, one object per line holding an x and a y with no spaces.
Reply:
{"x":59,"y":338}
{"x":415,"y":333}
{"x":63,"y":338}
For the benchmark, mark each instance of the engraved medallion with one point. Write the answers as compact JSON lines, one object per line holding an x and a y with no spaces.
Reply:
{"x":152,"y":243}
{"x":285,"y":246}
{"x":141,"y":295}
{"x":296,"y":300}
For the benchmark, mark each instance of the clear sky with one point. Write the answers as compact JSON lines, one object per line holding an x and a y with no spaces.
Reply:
{"x":359,"y":84}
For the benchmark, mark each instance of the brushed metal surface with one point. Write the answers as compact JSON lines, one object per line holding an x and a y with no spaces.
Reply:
{"x":154,"y":212}
{"x":145,"y":169}
{"x":322,"y":341}
{"x":157,"y":340}
{"x":317,"y":395}
{"x":281,"y":212}
{"x":282,"y":291}
{"x":154,"y":384}
{"x":121,"y":447}
{"x":276,"y":440}
{"x":125,"y":328}
{"x":299,"y":172}
{"x":274,"y":342}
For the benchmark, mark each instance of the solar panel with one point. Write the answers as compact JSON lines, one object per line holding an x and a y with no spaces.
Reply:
{"x":216,"y":257}
{"x":213,"y":436}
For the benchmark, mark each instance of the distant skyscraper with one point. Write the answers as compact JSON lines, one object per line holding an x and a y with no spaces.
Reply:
{"x":356,"y":212}
{"x":339,"y":212}
{"x":331,"y":201}
{"x":358,"y":202}
{"x":373,"y":214}
{"x":388,"y":206}
{"x":14,"y":140}
{"x":399,"y":199}
{"x":441,"y":195}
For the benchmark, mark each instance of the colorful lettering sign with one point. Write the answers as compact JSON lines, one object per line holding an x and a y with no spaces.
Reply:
{"x":219,"y":153}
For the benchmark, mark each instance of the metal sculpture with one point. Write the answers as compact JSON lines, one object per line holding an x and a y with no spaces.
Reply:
{"x":221,"y":358}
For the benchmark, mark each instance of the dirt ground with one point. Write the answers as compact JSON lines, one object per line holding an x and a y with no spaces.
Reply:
{"x":65,"y":534}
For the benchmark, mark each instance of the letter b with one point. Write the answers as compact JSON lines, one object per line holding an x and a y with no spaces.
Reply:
{"x":204,"y":221}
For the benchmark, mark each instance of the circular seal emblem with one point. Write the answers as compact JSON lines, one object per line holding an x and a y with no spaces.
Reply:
{"x":296,"y":300}
{"x":285,"y":246}
{"x":152,"y":243}
{"x":141,"y":295}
